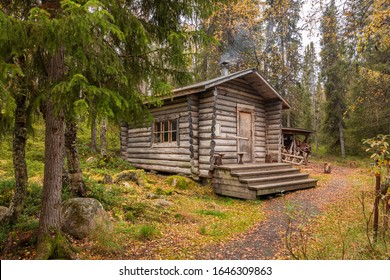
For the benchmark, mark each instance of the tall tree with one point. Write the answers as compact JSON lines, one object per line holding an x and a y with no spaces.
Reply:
{"x":236,"y":28}
{"x":332,"y":72}
{"x":282,"y":60}
{"x":366,"y":25}
{"x":99,"y":51}
{"x":17,"y":92}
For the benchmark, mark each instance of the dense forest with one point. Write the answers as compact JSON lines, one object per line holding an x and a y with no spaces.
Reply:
{"x":97,"y":63}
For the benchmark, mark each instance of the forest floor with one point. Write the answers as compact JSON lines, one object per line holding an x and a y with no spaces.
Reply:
{"x":315,"y":223}
{"x":268,"y":239}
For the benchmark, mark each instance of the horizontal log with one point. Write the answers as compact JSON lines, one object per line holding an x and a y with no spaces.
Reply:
{"x":208,"y":99}
{"x":205,"y":111}
{"x":274,"y":127}
{"x":225,"y":108}
{"x":221,"y":149}
{"x":275,"y":137}
{"x":225,"y":142}
{"x":206,"y":116}
{"x":230,"y":130}
{"x":158,"y":156}
{"x":169,"y":169}
{"x":226,"y":119}
{"x":140,"y":134}
{"x":138,"y":130}
{"x":158,"y":162}
{"x":183,"y":125}
{"x":273,"y":147}
{"x":159,"y":150}
{"x":139,"y":139}
{"x":239,"y":92}
{"x":138,"y":145}
{"x":176,"y":104}
{"x":243,"y":99}
{"x":205,"y":123}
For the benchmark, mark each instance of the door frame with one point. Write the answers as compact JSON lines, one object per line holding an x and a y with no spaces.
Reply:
{"x":247,"y":109}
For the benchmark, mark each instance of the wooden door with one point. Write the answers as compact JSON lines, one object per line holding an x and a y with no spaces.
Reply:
{"x":245,"y":134}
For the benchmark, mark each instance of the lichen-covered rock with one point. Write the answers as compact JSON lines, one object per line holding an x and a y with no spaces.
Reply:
{"x":3,"y":211}
{"x":138,"y":176}
{"x":180,"y":182}
{"x":82,"y":217}
{"x":162,"y":203}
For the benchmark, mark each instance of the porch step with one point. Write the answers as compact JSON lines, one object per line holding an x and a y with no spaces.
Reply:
{"x":257,"y":174}
{"x":279,"y":178}
{"x":249,"y":181}
{"x":252,"y":167}
{"x":281,"y":187}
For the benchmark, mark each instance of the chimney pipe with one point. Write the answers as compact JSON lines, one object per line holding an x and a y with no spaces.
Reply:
{"x":225,"y":68}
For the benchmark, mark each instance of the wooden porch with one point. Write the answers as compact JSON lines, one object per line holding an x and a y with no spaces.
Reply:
{"x":248,"y":181}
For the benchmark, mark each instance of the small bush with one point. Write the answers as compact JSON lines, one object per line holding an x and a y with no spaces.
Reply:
{"x":6,"y":191}
{"x":147,"y":232}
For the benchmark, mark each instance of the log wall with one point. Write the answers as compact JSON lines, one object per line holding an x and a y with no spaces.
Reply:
{"x":206,"y":122}
{"x":274,"y":129}
{"x":123,"y":138}
{"x":173,"y":157}
{"x":228,"y":99}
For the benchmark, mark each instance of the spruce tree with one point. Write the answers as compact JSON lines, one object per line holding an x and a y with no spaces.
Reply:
{"x":332,"y":73}
{"x":91,"y":51}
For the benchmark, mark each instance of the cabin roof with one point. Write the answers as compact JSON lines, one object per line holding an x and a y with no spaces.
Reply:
{"x":295,"y":130}
{"x":251,"y":76}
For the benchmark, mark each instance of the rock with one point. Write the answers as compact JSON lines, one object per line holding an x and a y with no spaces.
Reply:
{"x":138,"y":176}
{"x":154,"y":196}
{"x":180,"y":182}
{"x":83,"y":216}
{"x":162,"y":203}
{"x":3,"y":211}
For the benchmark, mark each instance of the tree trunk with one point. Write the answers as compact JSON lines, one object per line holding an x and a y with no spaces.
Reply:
{"x":376,"y":206}
{"x":103,"y":138}
{"x":93,"y":135}
{"x":19,"y":161}
{"x":341,"y":135}
{"x":50,"y":218}
{"x":77,"y":185}
{"x":51,"y":244}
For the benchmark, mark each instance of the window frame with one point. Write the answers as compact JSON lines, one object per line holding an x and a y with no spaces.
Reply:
{"x":166,"y":130}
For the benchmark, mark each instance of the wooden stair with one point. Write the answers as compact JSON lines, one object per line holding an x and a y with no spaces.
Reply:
{"x":248,"y":181}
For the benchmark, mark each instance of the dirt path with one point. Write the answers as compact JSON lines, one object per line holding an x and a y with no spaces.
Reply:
{"x":267,"y":239}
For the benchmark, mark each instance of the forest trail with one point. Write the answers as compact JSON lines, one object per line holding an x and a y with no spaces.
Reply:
{"x":267,"y":239}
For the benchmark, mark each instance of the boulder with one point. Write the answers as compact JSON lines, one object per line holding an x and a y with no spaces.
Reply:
{"x":179,"y":182}
{"x":82,"y":217}
{"x":138,"y":176}
{"x":162,"y":203}
{"x":3,"y":211}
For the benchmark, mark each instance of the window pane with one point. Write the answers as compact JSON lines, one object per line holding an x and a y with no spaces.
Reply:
{"x":166,"y":136}
{"x":157,"y":127}
{"x":174,"y":125}
{"x":174,"y":136}
{"x":166,"y":126}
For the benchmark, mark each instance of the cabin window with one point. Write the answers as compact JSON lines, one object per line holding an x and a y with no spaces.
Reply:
{"x":165,"y":131}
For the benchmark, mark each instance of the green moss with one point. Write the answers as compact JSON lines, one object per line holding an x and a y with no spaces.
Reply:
{"x":179,"y":182}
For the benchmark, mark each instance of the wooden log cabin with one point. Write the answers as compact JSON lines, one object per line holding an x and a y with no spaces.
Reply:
{"x":207,"y":128}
